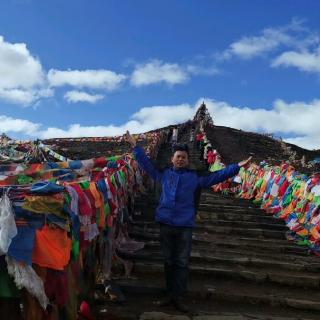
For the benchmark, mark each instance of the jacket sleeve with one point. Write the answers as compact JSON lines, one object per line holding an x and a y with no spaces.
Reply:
{"x":145,"y":163}
{"x":218,"y":176}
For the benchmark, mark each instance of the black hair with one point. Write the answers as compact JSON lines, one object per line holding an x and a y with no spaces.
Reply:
{"x":180,"y":147}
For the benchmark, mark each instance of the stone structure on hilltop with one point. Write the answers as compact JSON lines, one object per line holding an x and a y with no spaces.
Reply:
{"x":203,"y":115}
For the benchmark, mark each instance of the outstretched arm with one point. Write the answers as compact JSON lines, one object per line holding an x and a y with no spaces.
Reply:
{"x":143,"y":160}
{"x":222,"y":175}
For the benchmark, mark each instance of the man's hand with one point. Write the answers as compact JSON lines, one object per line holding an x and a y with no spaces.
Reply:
{"x":129,"y":138}
{"x":245,"y":163}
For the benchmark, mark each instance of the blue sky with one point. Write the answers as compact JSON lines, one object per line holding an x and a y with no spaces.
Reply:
{"x":96,"y":68}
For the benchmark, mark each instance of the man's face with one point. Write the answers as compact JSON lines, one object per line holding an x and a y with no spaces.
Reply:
{"x":180,"y":159}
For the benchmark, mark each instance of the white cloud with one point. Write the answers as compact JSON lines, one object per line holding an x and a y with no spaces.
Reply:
{"x":292,"y":35}
{"x":297,"y":119}
{"x":304,"y":61}
{"x":307,"y":142}
{"x":80,"y":96}
{"x":161,"y":116}
{"x":9,"y":124}
{"x":145,"y":119}
{"x":22,"y":79}
{"x":249,"y":47}
{"x":24,"y":97}
{"x":94,"y":79}
{"x":200,"y":70}
{"x":18,"y":68}
{"x":157,"y":71}
{"x":18,"y":96}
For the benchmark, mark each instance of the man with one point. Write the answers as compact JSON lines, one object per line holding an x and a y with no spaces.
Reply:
{"x":176,"y":213}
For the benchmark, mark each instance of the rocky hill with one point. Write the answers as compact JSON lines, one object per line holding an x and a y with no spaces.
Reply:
{"x":233,"y":144}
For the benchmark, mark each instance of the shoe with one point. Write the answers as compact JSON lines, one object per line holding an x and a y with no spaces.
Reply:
{"x":167,"y":301}
{"x":180,"y":306}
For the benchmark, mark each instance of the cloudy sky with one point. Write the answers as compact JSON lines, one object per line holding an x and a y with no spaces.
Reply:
{"x":97,"y":68}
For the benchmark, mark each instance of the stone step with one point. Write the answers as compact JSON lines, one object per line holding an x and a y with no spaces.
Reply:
{"x":229,"y":207}
{"x":285,"y":254}
{"x":222,"y":218}
{"x":228,"y":258}
{"x":221,"y":204}
{"x":233,"y":293}
{"x":230,"y":230}
{"x":217,"y":195}
{"x":225,"y":214}
{"x":230,"y":210}
{"x":208,"y":193}
{"x":220,"y":223}
{"x":205,"y":216}
{"x":149,"y":205}
{"x":228,"y":202}
{"x":150,"y":197}
{"x":226,"y":242}
{"x":250,"y":274}
{"x":158,"y":315}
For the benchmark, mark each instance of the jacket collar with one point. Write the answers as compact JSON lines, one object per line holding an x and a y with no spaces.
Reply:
{"x":179,"y":170}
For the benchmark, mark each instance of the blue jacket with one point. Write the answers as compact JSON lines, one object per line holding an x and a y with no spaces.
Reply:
{"x":177,"y":201}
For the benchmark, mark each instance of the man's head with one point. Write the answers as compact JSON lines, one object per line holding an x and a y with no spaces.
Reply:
{"x":180,"y":156}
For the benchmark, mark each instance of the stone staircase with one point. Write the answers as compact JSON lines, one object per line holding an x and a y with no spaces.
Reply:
{"x":242,"y":266}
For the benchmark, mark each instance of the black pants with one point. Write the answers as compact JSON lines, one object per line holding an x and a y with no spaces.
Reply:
{"x":176,"y":248}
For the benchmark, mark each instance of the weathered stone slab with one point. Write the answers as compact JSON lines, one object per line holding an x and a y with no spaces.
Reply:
{"x":161,"y":316}
{"x":303,"y":304}
{"x":220,"y":317}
